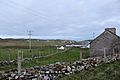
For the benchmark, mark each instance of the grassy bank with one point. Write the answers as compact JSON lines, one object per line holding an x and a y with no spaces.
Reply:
{"x":104,"y":72}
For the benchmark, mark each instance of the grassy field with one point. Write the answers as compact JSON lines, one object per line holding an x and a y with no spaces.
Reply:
{"x":103,"y":72}
{"x":72,"y":54}
{"x":9,"y":50}
{"x":24,"y":43}
{"x":9,"y":47}
{"x":11,"y":53}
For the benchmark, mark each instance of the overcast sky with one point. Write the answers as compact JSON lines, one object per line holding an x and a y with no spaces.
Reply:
{"x":58,"y":19}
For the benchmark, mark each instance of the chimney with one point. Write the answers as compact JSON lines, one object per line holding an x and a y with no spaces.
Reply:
{"x":113,"y":30}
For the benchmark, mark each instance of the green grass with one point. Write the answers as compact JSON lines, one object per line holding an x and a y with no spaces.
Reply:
{"x":103,"y":72}
{"x":68,"y":56}
{"x":9,"y":49}
{"x":11,"y":53}
{"x":71,"y":55}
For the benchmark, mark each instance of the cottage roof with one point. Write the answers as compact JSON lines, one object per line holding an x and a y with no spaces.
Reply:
{"x":102,"y":34}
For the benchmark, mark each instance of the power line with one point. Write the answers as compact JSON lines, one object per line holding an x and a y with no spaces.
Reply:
{"x":14,"y":6}
{"x":33,"y":12}
{"x":37,"y":13}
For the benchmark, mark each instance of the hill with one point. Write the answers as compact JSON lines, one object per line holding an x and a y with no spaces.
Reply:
{"x":36,"y":43}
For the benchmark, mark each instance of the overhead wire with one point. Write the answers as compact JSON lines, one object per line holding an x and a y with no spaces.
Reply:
{"x":33,"y":12}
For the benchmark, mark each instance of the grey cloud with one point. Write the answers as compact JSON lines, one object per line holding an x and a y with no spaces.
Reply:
{"x":71,"y":19}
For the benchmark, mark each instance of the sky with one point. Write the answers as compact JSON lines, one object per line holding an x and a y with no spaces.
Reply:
{"x":58,"y":19}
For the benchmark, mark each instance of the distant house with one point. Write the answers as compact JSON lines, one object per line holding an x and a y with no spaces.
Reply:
{"x":78,"y":45}
{"x":61,"y":48}
{"x":88,"y":46}
{"x":106,"y":43}
{"x":73,"y":45}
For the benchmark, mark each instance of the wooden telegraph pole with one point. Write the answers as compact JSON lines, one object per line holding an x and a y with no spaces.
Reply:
{"x":30,"y":42}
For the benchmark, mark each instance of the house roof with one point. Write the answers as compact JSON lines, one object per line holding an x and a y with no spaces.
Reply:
{"x":102,"y":34}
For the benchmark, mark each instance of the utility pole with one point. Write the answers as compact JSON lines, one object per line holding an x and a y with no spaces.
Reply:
{"x":93,"y":35}
{"x":20,"y":57}
{"x":30,"y":43}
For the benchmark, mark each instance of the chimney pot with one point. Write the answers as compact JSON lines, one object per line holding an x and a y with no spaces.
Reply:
{"x":113,"y":30}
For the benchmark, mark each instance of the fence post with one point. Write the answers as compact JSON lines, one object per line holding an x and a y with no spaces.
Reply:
{"x":20,"y":57}
{"x":113,"y":51}
{"x":104,"y":52}
{"x":80,"y":54}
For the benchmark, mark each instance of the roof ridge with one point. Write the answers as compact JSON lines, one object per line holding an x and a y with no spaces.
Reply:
{"x":104,"y":32}
{"x":113,"y":33}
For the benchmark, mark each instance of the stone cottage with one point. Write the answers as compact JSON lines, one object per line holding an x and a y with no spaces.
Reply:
{"x":107,"y":43}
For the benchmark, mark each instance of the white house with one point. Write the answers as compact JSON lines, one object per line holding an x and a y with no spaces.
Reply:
{"x":61,"y":48}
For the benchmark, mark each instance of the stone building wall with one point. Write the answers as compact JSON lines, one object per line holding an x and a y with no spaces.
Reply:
{"x":103,"y":43}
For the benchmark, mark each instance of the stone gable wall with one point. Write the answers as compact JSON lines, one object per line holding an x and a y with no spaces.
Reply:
{"x":104,"y":43}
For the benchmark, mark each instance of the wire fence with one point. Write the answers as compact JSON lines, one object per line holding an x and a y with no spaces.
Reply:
{"x":11,"y":54}
{"x":104,"y":52}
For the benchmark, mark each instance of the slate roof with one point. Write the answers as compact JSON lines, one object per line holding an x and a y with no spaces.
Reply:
{"x":103,"y":33}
